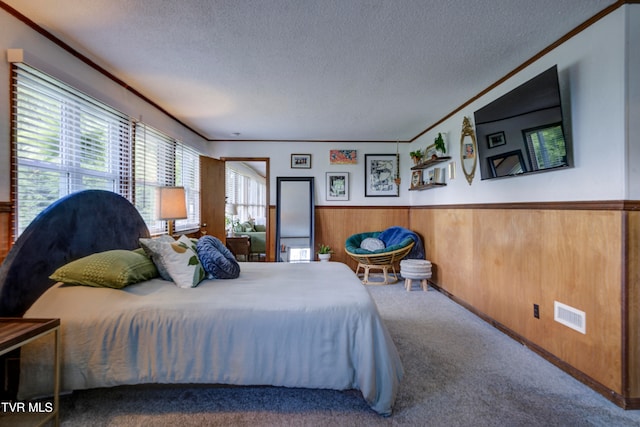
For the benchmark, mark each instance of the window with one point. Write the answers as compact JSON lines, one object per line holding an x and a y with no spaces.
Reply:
{"x":546,"y":146}
{"x":162,"y":161}
{"x":154,"y":166}
{"x":65,"y":141}
{"x":246,"y":193}
{"x":188,"y":176}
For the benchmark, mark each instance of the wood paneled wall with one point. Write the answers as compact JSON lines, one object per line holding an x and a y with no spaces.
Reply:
{"x":632,"y":314}
{"x":500,"y":261}
{"x":334,"y":225}
{"x":5,"y":229}
{"x":503,"y":261}
{"x":271,"y":235}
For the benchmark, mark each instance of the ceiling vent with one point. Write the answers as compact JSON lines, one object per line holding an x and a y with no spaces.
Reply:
{"x":569,"y":316}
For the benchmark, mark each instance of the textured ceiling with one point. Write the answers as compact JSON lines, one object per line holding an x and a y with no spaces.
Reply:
{"x":354,"y":70}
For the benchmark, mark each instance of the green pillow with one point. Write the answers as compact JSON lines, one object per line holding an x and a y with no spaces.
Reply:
{"x":111,"y":269}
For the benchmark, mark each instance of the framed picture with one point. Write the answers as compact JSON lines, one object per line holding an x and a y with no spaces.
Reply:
{"x":468,"y":150}
{"x":343,"y":157}
{"x":380,"y":171}
{"x":429,"y":152}
{"x":301,"y":161}
{"x":496,"y":139}
{"x":337,"y":186}
{"x":416,"y":178}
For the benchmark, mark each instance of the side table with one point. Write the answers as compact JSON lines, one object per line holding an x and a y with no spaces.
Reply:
{"x":239,"y":246}
{"x":16,"y":332}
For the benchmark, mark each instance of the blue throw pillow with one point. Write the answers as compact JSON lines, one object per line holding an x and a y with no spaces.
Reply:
{"x":217,"y":259}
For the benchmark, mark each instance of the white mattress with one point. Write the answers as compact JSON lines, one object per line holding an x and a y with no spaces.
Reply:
{"x":310,"y":325}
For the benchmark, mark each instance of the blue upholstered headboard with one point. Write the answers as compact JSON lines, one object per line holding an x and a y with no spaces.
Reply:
{"x":75,"y":226}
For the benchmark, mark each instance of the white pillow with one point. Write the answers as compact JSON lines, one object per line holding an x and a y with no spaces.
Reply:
{"x":182,"y":263}
{"x":372,"y":244}
{"x":152,"y":249}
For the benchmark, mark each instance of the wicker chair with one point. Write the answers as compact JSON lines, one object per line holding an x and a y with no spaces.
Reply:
{"x":381,"y":259}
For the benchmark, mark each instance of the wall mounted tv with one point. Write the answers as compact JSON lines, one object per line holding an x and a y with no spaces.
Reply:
{"x":522,"y":132}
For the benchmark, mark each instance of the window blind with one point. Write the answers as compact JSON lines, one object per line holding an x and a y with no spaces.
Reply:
{"x":162,"y":161}
{"x":188,"y":176}
{"x":154,"y":168}
{"x":63,"y":141}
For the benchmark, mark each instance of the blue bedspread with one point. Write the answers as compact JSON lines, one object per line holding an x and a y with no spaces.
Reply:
{"x":395,"y":235}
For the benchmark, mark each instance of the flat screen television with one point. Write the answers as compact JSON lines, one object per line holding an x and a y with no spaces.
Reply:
{"x":522,"y":132}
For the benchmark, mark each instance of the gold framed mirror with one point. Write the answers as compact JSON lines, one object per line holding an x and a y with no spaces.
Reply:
{"x":468,"y":150}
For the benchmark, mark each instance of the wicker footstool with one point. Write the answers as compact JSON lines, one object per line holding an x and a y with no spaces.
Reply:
{"x":415,"y":269}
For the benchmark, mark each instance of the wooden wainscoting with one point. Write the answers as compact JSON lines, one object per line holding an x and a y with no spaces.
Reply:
{"x":632,"y":314}
{"x":334,"y":224}
{"x":501,"y":260}
{"x":271,"y":235}
{"x":5,"y":229}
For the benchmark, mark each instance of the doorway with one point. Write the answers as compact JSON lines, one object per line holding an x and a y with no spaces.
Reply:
{"x":247,"y":204}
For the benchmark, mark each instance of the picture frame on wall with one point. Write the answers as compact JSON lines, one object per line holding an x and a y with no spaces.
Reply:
{"x":430,"y":152}
{"x":380,"y":171}
{"x":343,"y":157}
{"x":301,"y":161}
{"x":496,"y":139}
{"x":416,"y":178}
{"x":337,"y":186}
{"x":431,"y":174}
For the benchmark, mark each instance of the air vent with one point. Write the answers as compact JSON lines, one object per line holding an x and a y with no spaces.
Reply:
{"x":569,"y":316}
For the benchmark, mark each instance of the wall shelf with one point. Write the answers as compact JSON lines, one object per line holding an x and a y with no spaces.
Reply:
{"x":427,"y":186}
{"x":428,"y":163}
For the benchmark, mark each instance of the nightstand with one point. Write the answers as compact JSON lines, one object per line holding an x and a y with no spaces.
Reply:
{"x":239,"y":246}
{"x":16,"y":332}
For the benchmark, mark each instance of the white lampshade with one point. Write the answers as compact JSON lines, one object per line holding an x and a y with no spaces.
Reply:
{"x":172,"y":203}
{"x":232,"y":209}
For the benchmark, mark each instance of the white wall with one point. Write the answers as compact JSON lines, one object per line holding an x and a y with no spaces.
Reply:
{"x":594,"y":103}
{"x":48,"y":57}
{"x":279,"y":154}
{"x":606,"y":149}
{"x":632,"y":46}
{"x":593,"y":95}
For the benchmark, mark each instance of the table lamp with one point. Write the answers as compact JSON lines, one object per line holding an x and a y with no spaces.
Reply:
{"x":172,"y":205}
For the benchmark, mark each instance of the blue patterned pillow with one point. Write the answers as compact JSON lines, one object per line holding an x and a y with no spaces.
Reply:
{"x":217,"y":260}
{"x":372,"y":244}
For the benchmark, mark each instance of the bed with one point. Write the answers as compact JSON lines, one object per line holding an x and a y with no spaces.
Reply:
{"x":310,"y":325}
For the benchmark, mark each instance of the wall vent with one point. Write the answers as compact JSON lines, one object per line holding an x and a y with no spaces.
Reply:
{"x":569,"y":316}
